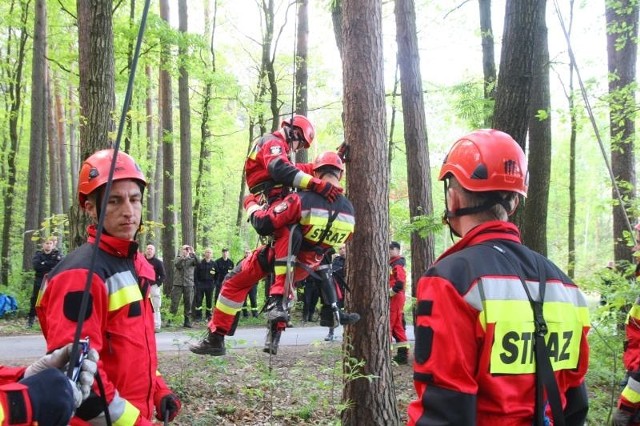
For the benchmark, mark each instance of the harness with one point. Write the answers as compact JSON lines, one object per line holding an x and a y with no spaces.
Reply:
{"x":545,"y":377}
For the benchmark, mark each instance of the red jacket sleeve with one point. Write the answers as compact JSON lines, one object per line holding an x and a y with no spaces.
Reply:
{"x":276,"y":162}
{"x":278,"y":215}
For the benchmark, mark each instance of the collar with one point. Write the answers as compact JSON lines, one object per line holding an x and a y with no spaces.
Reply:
{"x":492,"y":230}
{"x":113,"y":245}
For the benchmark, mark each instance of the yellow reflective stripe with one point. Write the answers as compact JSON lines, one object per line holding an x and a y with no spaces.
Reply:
{"x":123,"y":289}
{"x":129,"y":415}
{"x":43,"y":287}
{"x":228,"y":306}
{"x":123,"y":297}
{"x":301,"y":180}
{"x":1,"y":415}
{"x":280,"y":270}
{"x":634,"y":313}
{"x":631,"y":392}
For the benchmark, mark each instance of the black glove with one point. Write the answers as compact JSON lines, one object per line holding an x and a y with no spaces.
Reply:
{"x":51,"y":394}
{"x":343,"y":152}
{"x":169,"y":403}
{"x":327,"y":190}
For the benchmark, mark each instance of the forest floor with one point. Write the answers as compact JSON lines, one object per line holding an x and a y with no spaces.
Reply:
{"x":301,"y":385}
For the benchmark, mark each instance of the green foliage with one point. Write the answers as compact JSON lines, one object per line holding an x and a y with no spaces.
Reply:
{"x":469,"y":103}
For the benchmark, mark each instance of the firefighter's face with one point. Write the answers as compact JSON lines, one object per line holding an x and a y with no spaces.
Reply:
{"x":123,"y":211}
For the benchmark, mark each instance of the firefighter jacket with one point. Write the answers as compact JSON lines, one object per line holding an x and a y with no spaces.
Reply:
{"x":15,"y":404}
{"x":474,"y":333}
{"x":630,"y":397}
{"x":185,"y":268}
{"x":397,"y":275}
{"x":268,"y":165}
{"x":118,"y":323}
{"x":324,"y":225}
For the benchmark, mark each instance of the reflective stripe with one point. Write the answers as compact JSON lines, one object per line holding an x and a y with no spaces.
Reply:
{"x":1,"y":415}
{"x":128,"y":416}
{"x":301,"y":180}
{"x":123,"y":289}
{"x":503,"y":302}
{"x":634,"y":312}
{"x":631,"y":392}
{"x":315,"y":222}
{"x":228,"y":306}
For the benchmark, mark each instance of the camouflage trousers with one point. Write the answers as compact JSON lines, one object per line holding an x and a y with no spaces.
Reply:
{"x":178,"y":292}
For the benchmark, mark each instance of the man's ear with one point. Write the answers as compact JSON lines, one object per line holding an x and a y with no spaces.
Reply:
{"x":516,"y":202}
{"x":90,"y":210}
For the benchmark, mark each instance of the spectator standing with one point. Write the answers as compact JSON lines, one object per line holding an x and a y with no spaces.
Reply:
{"x":43,"y":261}
{"x":119,"y":316}
{"x":311,"y":296}
{"x":224,"y":265}
{"x":488,"y":306}
{"x":183,"y":283}
{"x":252,"y":296}
{"x":397,"y":284}
{"x":205,"y":275}
{"x":156,"y":294}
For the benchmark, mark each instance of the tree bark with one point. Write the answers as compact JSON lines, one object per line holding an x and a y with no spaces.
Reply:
{"x":55,"y":200}
{"x":622,"y":53}
{"x":534,"y":224}
{"x":38,"y":135}
{"x":302,"y":74}
{"x":374,"y":401}
{"x":186,"y":203}
{"x":415,"y":136}
{"x":488,"y":56}
{"x":168,"y":194}
{"x":63,"y":166}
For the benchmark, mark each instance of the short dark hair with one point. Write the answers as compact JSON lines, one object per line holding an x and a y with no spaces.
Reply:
{"x":394,"y":245}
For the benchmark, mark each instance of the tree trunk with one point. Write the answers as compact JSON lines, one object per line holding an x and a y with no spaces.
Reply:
{"x":415,"y":136}
{"x":63,"y":166}
{"x":74,"y":159}
{"x":622,"y":53}
{"x":97,"y":88}
{"x":534,"y":226}
{"x":373,"y":401}
{"x":38,"y":135}
{"x":168,"y":204}
{"x":302,"y":74}
{"x":152,"y":153}
{"x":15,"y":104}
{"x":55,"y":201}
{"x":186,"y":216}
{"x":336,"y":18}
{"x":488,"y":56}
{"x":571,"y":225}
{"x":513,"y":91}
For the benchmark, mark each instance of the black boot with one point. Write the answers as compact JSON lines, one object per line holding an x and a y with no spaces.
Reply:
{"x":272,"y":340}
{"x":402,"y":357}
{"x":276,"y":311}
{"x":187,"y":323}
{"x":213,"y":345}
{"x":347,"y":318}
{"x":330,"y":336}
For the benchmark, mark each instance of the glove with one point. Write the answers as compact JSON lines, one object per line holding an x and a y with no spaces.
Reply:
{"x":621,"y":417}
{"x":52,"y":396}
{"x":58,"y":359}
{"x":327,"y":190}
{"x":343,"y":152}
{"x":252,"y":204}
{"x":171,"y":403}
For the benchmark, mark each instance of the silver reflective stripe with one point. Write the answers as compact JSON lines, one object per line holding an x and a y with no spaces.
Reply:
{"x":297,"y":179}
{"x":120,"y":280}
{"x":633,"y":384}
{"x":503,"y":288}
{"x":116,"y":409}
{"x":230,"y":303}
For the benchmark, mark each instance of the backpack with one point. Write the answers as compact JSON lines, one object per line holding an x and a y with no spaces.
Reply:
{"x":7,"y":304}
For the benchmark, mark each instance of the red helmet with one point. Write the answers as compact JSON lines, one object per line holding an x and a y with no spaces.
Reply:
{"x":328,"y":158}
{"x":95,"y":172}
{"x":303,"y":123}
{"x":487,"y":160}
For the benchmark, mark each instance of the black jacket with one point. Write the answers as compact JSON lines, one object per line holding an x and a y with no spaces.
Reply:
{"x":158,"y":266}
{"x":205,"y":274}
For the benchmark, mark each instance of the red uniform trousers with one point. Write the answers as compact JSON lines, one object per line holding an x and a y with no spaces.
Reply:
{"x":241,"y":279}
{"x":396,"y":310}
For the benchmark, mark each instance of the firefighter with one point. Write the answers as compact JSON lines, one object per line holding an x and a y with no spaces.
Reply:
{"x":322,"y":225}
{"x":397,"y":284}
{"x":489,"y":350}
{"x":119,"y":316}
{"x":628,"y":410}
{"x":41,"y":393}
